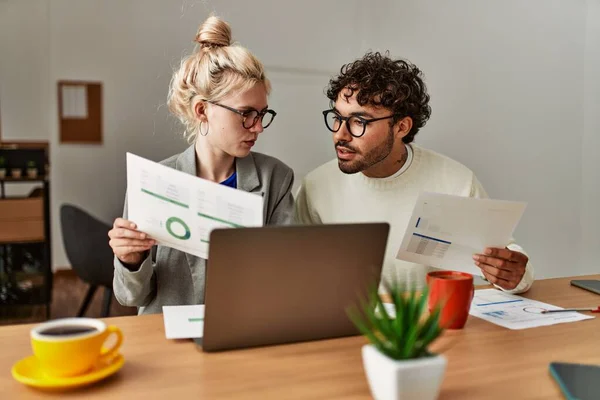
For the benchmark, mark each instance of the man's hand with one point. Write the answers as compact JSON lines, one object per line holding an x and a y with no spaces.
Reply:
{"x":502,"y":267}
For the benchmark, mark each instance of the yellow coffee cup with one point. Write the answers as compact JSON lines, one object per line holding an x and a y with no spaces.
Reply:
{"x":71,"y":346}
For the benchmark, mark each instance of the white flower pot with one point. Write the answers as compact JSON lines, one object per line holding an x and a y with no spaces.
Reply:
{"x":32,"y":173}
{"x":417,"y":379}
{"x":2,"y":173}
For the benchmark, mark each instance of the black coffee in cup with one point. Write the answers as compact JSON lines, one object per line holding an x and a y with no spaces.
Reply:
{"x":68,"y":330}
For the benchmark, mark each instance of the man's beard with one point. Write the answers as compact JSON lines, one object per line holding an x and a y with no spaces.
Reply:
{"x":373,"y":157}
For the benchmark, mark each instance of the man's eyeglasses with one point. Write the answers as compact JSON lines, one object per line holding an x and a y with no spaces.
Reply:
{"x":251,"y":117}
{"x":356,"y":125}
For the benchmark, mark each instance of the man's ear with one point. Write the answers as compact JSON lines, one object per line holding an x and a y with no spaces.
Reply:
{"x":403,"y":127}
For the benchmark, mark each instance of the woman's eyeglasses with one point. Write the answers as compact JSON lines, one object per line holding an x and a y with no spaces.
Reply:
{"x":251,"y":117}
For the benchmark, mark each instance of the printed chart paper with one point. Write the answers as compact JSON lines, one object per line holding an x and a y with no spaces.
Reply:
{"x":445,"y":231}
{"x":180,"y":210}
{"x":516,"y":312}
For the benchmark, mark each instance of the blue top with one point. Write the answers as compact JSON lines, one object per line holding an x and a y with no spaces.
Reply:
{"x":231,"y":181}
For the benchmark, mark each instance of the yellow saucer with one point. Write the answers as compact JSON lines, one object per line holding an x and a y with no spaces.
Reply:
{"x":27,"y":371}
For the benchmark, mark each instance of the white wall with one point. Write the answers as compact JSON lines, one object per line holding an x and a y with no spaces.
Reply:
{"x":506,"y":79}
{"x":506,"y":84}
{"x":590,"y":210}
{"x":24,"y":69}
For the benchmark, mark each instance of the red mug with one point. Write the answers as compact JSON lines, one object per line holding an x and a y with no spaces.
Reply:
{"x":452,"y":291}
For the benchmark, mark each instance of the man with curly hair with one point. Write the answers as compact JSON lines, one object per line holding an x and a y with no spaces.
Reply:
{"x":378,"y":106}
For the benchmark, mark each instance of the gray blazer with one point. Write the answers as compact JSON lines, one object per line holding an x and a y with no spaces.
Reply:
{"x":173,"y":277}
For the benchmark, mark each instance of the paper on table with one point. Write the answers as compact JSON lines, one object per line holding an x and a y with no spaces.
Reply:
{"x":183,"y":322}
{"x":516,"y":312}
{"x":445,"y":231}
{"x":180,"y":210}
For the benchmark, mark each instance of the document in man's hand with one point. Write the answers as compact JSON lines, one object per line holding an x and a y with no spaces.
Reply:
{"x":445,"y":231}
{"x":180,"y":210}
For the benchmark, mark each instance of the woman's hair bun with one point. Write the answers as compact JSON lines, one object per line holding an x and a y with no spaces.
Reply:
{"x":214,"y":32}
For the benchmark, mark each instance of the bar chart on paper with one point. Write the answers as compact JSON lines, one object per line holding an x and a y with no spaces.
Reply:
{"x":445,"y":231}
{"x":428,"y":246}
{"x":516,"y":312}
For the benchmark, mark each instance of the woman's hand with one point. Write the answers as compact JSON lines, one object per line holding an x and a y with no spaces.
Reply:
{"x":129,"y":244}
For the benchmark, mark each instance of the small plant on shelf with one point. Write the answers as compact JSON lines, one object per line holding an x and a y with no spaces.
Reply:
{"x":2,"y":168}
{"x":32,"y":171}
{"x":16,"y":172}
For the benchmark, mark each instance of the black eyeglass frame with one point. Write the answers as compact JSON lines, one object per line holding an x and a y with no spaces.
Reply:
{"x":364,"y":121}
{"x":245,"y":114}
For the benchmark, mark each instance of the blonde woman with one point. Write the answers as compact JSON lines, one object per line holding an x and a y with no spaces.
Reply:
{"x":219,"y":94}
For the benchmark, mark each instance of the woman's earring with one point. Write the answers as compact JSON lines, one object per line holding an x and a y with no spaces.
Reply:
{"x":202,"y":133}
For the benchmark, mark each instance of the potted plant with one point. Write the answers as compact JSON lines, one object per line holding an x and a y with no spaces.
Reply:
{"x":15,"y":172}
{"x":32,"y":171}
{"x":398,"y":362}
{"x":2,"y":168}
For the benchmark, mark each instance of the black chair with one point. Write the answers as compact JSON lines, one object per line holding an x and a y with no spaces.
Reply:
{"x":86,"y":243}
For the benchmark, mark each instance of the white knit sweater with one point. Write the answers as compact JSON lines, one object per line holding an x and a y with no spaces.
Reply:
{"x":327,"y":195}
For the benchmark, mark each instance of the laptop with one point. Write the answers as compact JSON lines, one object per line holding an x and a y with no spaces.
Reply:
{"x":286,"y":284}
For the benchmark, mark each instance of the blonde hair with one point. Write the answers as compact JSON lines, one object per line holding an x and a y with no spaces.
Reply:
{"x":217,"y":68}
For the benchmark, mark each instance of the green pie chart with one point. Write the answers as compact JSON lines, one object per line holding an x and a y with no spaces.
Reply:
{"x":178,"y":224}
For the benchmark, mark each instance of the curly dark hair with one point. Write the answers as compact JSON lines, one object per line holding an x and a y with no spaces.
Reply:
{"x":380,"y":81}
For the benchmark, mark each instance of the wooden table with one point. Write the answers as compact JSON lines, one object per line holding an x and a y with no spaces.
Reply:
{"x":484,"y":361}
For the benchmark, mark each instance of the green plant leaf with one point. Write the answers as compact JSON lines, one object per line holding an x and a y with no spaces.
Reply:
{"x":385,"y":320}
{"x":408,"y":320}
{"x":396,"y":293}
{"x":433,"y":329}
{"x":436,"y":333}
{"x":378,"y":325}
{"x":406,"y":336}
{"x":426,"y":326}
{"x":359,"y":322}
{"x":412,"y":324}
{"x":422,"y":301}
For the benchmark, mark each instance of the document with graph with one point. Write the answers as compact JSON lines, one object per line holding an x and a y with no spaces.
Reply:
{"x":445,"y":231}
{"x":180,"y":210}
{"x":516,"y":312}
